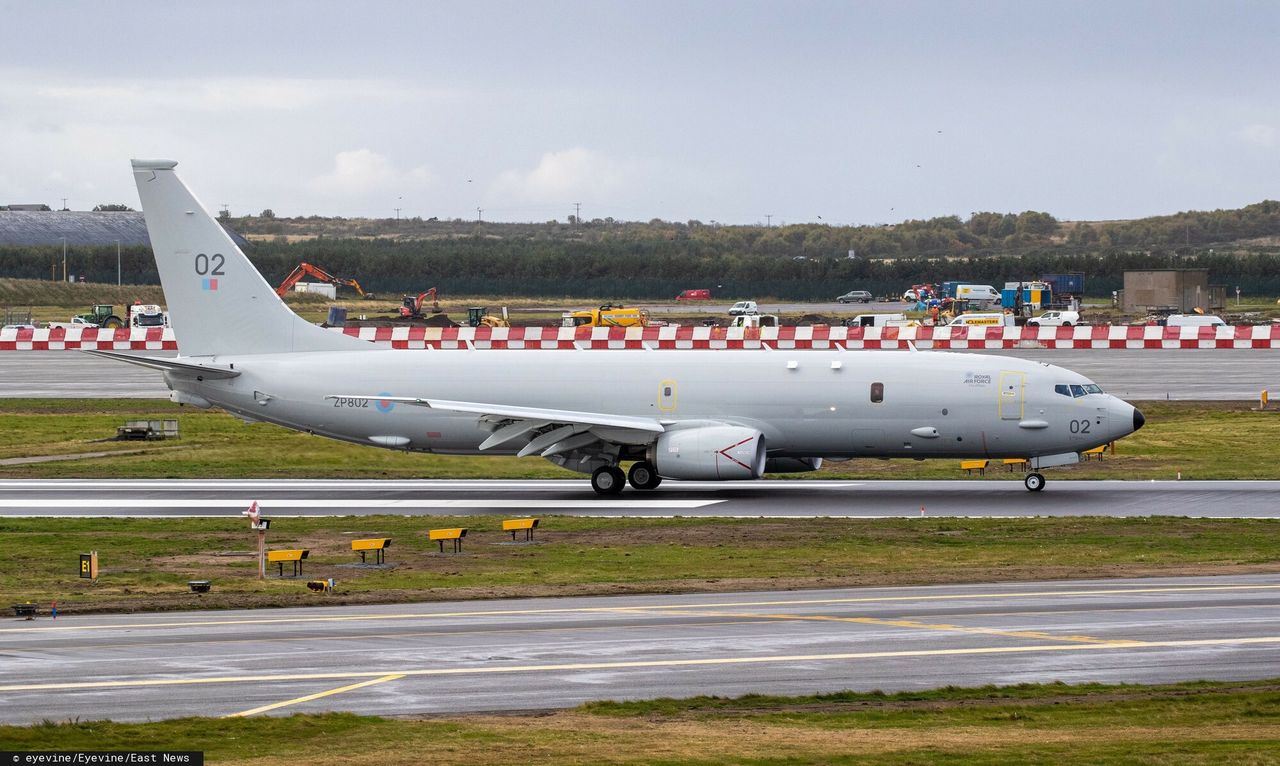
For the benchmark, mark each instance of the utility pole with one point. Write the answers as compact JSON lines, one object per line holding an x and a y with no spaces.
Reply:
{"x":479,"y":215}
{"x":64,"y":258}
{"x":397,"y":215}
{"x":577,"y":212}
{"x":768,"y":220}
{"x":64,"y":203}
{"x":226,"y":211}
{"x":117,"y":263}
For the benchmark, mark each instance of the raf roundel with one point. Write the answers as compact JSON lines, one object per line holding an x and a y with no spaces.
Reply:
{"x":383,"y":405}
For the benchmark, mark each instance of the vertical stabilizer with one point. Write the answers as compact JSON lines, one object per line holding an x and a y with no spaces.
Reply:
{"x":218,"y":302}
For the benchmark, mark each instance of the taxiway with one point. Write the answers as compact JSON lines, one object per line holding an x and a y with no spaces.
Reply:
{"x":549,"y":653}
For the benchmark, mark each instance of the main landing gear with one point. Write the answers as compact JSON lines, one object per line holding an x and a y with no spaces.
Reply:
{"x":643,"y":476}
{"x":1034,"y":482}
{"x":609,"y":480}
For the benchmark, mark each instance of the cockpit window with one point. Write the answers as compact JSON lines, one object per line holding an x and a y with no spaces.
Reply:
{"x":1063,"y":389}
{"x":1092,"y":388}
{"x":1077,"y":390}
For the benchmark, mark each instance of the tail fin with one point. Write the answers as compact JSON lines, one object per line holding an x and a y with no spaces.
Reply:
{"x":218,"y":302}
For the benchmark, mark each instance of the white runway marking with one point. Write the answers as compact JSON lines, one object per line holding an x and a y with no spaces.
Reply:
{"x":385,"y":484}
{"x":240,"y":503}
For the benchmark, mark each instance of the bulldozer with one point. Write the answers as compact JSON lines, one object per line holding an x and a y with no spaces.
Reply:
{"x":479,"y":316}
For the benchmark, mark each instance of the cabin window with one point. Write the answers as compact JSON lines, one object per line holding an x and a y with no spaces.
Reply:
{"x":666,"y":390}
{"x":877,"y":392}
{"x":1063,"y":389}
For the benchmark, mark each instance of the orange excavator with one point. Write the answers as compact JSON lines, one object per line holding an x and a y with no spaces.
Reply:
{"x":412,"y":307}
{"x":305,"y":270}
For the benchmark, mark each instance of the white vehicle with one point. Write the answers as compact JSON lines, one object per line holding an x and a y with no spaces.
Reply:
{"x":755,"y":320}
{"x":878,"y":320}
{"x":977,"y":320}
{"x":1055,"y":319}
{"x":147,"y":315}
{"x":744,"y":307}
{"x":670,"y":414}
{"x":1194,"y":320}
{"x":980,"y":295}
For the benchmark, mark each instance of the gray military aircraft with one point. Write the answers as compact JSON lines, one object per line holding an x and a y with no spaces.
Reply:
{"x":702,"y":415}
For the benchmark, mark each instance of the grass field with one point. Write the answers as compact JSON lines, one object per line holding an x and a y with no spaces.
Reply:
{"x":1200,"y":440}
{"x":146,"y":563}
{"x":1194,"y":723}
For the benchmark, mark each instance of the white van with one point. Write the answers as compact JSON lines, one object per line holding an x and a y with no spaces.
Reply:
{"x":979,"y":320}
{"x":983,"y":294}
{"x":1194,"y":320}
{"x":876,"y":320}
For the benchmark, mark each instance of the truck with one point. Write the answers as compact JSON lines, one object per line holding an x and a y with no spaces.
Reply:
{"x":879,"y":320}
{"x":982,"y":320}
{"x":755,"y":321}
{"x":147,"y":315}
{"x":607,"y":315}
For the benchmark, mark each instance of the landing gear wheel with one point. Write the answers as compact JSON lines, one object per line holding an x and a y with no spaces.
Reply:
{"x":643,"y":476}
{"x":608,"y":480}
{"x":1034,"y":482}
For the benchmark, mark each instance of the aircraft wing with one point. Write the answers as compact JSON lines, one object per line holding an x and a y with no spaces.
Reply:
{"x":207,"y":371}
{"x":547,"y":431}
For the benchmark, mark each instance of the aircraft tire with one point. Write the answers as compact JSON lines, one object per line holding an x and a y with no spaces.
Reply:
{"x":1034,"y":482}
{"x":608,"y":480}
{"x":643,"y":476}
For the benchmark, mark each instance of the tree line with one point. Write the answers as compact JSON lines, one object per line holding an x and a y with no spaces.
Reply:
{"x":657,"y":259}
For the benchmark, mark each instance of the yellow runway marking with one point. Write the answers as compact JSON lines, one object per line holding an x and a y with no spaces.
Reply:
{"x":315,"y":696}
{"x":644,"y":608}
{"x":941,"y":626}
{"x":625,"y":665}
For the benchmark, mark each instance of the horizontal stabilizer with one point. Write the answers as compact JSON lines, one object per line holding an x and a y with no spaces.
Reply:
{"x":209,"y":372}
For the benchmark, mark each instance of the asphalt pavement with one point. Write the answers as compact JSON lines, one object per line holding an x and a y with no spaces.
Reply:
{"x":975,"y":498}
{"x":407,"y":659}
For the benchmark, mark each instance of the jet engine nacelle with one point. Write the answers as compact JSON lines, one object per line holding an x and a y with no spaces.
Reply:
{"x":792,"y":464}
{"x":709,"y":453}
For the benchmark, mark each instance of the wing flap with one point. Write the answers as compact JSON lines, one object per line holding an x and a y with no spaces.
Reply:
{"x":520,"y":413}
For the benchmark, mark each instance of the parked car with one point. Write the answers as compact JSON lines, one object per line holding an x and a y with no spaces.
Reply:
{"x":743,"y":307}
{"x":1055,"y":319}
{"x":855,"y":296}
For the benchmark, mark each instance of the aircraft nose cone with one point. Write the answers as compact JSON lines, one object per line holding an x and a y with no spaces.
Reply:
{"x":1138,"y":419}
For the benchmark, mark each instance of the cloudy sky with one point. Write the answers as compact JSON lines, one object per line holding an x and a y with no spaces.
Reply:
{"x":845,"y":112}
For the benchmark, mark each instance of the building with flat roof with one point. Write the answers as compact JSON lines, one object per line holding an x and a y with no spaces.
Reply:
{"x":80,"y":228}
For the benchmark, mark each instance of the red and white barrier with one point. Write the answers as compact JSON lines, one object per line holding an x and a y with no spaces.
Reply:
{"x":676,"y":337}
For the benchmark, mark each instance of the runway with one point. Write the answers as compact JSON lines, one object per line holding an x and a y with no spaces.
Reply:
{"x":550,"y":653}
{"x":976,"y":498}
{"x":1189,"y":374}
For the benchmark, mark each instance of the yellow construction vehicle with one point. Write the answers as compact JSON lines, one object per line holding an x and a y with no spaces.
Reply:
{"x":607,"y":315}
{"x":479,"y":316}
